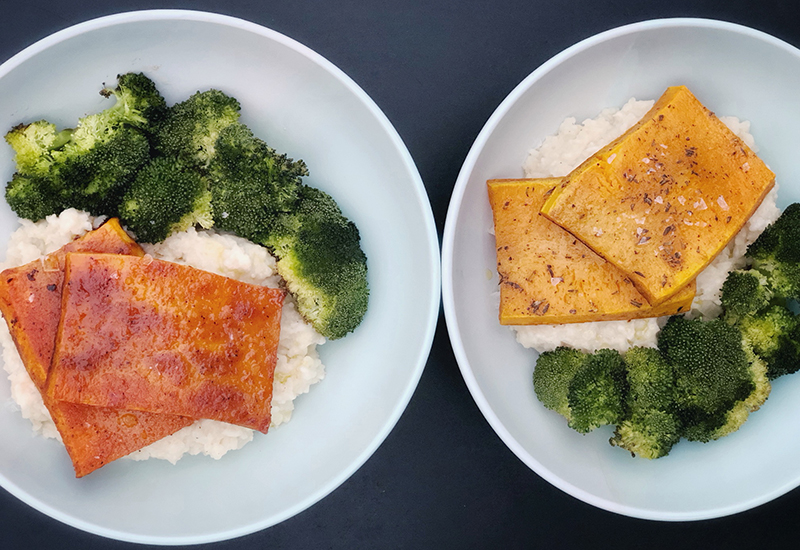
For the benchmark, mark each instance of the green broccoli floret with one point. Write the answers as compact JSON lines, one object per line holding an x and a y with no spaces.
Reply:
{"x":596,"y":392}
{"x":251,"y":183}
{"x":104,"y":171}
{"x":139,"y":103}
{"x":320,"y":258}
{"x":776,"y":254}
{"x":744,"y":292}
{"x":651,"y":425}
{"x":32,"y":197}
{"x":166,"y":196}
{"x":587,"y":389}
{"x":772,"y":333}
{"x":718,"y":380}
{"x":106,"y":149}
{"x":190,"y":128}
{"x":648,"y":433}
{"x":785,"y":359}
{"x":87,"y":167}
{"x":33,"y":145}
{"x":39,"y":145}
{"x":552,"y":376}
{"x":756,"y":299}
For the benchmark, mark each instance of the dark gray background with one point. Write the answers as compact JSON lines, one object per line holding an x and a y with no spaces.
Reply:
{"x":442,"y":479}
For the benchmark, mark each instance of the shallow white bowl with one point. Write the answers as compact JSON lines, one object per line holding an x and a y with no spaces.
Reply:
{"x":734,"y":71}
{"x":306,"y":107}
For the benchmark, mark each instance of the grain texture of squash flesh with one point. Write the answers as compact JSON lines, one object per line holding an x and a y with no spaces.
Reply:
{"x":547,"y":276}
{"x":664,"y":199}
{"x":149,"y":335}
{"x":30,"y":300}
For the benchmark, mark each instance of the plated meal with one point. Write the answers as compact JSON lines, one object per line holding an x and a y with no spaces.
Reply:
{"x":629,"y":234}
{"x":123,"y":346}
{"x":560,"y":115}
{"x":303,"y":107}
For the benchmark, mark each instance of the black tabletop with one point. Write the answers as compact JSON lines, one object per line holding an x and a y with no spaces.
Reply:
{"x":442,"y":478}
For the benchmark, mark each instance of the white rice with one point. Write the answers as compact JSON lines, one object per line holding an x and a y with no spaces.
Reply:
{"x":562,"y":152}
{"x":298,"y":366}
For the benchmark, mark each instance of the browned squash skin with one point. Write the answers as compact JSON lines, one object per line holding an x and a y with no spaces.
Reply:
{"x":547,"y":276}
{"x":92,"y":436}
{"x":664,"y":199}
{"x":149,"y":335}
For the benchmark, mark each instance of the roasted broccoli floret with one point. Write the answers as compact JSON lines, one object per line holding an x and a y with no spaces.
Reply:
{"x":649,"y":433}
{"x":87,"y":167}
{"x":773,"y":334}
{"x":139,"y":103}
{"x":33,"y":197}
{"x":552,"y":376}
{"x":33,"y":145}
{"x":776,"y":254}
{"x":320,"y":258}
{"x":251,"y":183}
{"x":190,"y":128}
{"x":167,"y":195}
{"x":651,"y":425}
{"x":756,"y":299}
{"x":718,"y":380}
{"x":258,"y":194}
{"x":745,"y":292}
{"x":102,"y":173}
{"x":597,"y":390}
{"x":587,"y":389}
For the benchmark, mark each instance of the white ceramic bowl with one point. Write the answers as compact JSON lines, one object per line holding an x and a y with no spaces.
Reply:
{"x":735,"y":71}
{"x":306,"y":107}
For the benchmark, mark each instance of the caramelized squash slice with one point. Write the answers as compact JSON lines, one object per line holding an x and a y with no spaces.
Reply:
{"x":95,"y":436}
{"x":30,"y":295}
{"x":661,"y":201}
{"x":144,"y":334}
{"x":547,"y":276}
{"x":30,"y":300}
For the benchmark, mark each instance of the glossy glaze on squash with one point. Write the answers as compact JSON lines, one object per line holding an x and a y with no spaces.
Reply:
{"x":30,"y":295}
{"x":30,"y":300}
{"x":145,"y":334}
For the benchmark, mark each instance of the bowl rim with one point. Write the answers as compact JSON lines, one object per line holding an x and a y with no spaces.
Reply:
{"x":433,"y":256}
{"x":448,"y":239}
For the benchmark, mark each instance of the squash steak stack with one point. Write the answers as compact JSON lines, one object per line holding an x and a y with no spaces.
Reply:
{"x":625,"y":234}
{"x":126,"y":349}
